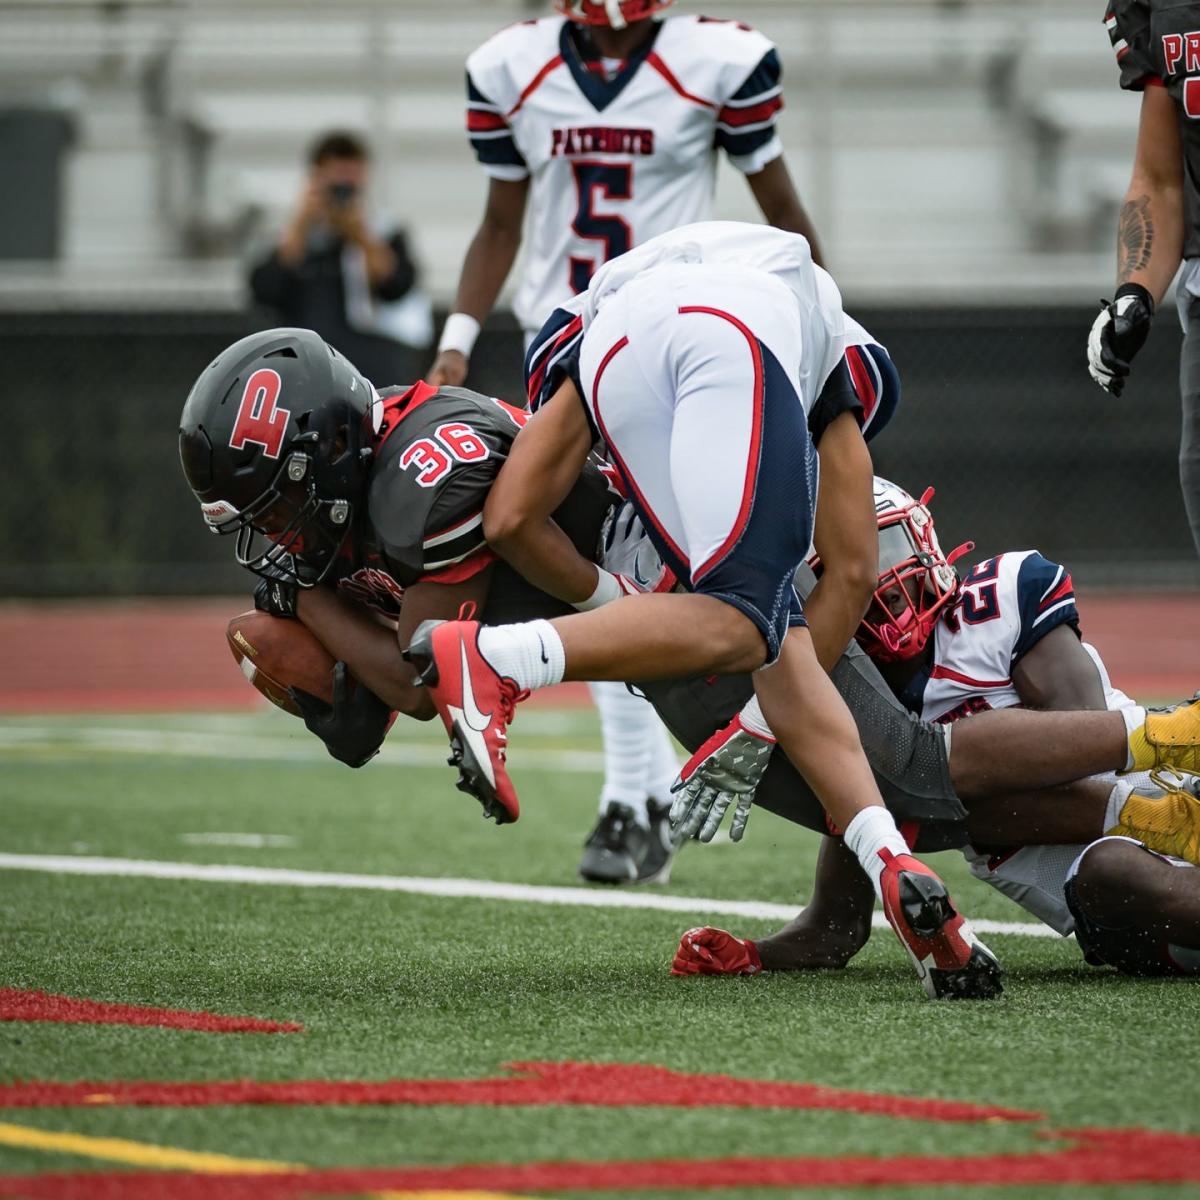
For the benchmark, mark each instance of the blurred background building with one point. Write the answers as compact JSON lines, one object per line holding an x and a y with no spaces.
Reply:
{"x":963,"y":161}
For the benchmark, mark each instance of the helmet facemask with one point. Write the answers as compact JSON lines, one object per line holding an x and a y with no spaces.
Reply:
{"x":616,"y":14}
{"x":916,"y":582}
{"x":291,"y":531}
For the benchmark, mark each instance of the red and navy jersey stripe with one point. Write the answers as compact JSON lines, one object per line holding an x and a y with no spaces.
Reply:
{"x":865,"y":383}
{"x":747,"y":121}
{"x":552,"y":357}
{"x":876,"y":383}
{"x":1046,"y":598}
{"x":489,"y":132}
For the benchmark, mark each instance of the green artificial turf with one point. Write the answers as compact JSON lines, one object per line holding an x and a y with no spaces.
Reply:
{"x":393,"y":985}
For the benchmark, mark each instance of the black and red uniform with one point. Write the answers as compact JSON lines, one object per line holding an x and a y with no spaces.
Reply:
{"x":435,"y":459}
{"x":1157,"y":44}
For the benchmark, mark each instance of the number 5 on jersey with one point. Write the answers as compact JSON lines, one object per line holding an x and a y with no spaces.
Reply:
{"x":611,"y":181}
{"x":434,"y":457}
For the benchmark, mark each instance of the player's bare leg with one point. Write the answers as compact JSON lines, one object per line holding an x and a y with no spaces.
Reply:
{"x":1120,"y":886}
{"x":1012,"y":749}
{"x":659,"y":637}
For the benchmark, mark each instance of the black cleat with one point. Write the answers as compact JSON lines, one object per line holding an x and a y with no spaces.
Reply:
{"x":615,"y":848}
{"x":661,"y":846}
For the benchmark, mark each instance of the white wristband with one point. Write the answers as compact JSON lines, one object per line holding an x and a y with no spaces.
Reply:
{"x":607,"y":590}
{"x":753,"y":720}
{"x":459,"y":333}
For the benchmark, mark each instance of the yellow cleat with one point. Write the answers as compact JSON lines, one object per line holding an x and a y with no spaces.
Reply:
{"x":1168,"y":738}
{"x":1164,"y":818}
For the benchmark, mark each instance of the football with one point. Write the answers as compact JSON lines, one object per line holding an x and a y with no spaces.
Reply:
{"x":276,"y":654}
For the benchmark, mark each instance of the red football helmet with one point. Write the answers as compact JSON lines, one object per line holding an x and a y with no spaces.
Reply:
{"x":614,"y":13}
{"x":916,"y":580}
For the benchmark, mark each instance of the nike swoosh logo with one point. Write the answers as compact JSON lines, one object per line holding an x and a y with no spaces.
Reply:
{"x":476,"y":720}
{"x":543,"y":649}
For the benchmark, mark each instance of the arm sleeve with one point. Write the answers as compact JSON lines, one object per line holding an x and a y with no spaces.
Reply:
{"x":491,"y":137}
{"x":271,"y":282}
{"x":837,"y":396}
{"x":553,"y":356}
{"x":1045,"y":599}
{"x":400,"y":282}
{"x":746,"y":122}
{"x":1128,"y":25}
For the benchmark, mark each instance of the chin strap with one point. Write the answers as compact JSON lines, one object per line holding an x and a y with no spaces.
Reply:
{"x":615,"y":17}
{"x":958,"y":552}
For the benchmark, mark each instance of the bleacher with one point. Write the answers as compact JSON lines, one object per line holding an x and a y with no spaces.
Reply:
{"x":946,"y":148}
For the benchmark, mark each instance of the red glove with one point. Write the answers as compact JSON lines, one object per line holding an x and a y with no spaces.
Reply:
{"x":709,"y":951}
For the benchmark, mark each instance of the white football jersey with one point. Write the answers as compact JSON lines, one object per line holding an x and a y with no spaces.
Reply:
{"x":829,"y":330}
{"x":1008,"y":604}
{"x":616,"y":157}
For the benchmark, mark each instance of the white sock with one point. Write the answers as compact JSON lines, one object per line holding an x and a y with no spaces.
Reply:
{"x":1135,"y":718}
{"x":531,"y":653}
{"x":625,"y":723}
{"x":872,"y":830}
{"x":1120,"y":793}
{"x":664,"y":763}
{"x":1116,"y":802}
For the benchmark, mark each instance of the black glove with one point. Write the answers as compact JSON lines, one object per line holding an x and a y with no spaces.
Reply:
{"x":1118,"y":333}
{"x":354,"y":727}
{"x":277,"y":597}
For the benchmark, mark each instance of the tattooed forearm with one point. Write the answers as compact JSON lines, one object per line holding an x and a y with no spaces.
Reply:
{"x":1135,"y":238}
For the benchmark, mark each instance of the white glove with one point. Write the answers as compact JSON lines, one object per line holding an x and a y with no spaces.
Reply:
{"x":728,"y":767}
{"x":627,"y":551}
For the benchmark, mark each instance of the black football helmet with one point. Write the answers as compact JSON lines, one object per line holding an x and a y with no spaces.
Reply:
{"x":275,"y":441}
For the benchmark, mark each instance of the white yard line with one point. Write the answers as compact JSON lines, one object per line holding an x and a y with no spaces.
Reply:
{"x":469,"y":889}
{"x":231,"y":746}
{"x":248,"y":841}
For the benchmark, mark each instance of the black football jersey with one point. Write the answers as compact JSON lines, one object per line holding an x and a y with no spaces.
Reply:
{"x":1157,"y":44}
{"x":436,"y":458}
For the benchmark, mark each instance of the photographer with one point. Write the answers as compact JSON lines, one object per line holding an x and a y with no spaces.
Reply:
{"x":331,"y":272}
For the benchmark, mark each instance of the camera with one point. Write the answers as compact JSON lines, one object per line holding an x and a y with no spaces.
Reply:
{"x":341,"y":195}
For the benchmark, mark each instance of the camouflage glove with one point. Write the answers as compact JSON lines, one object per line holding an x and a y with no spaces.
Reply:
{"x":726,"y":768}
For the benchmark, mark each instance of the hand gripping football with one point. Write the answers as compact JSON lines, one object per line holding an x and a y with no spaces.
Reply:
{"x":276,"y":654}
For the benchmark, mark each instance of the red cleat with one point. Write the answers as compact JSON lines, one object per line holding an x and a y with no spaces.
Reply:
{"x":951,"y":961}
{"x":476,"y":706}
{"x":709,"y":951}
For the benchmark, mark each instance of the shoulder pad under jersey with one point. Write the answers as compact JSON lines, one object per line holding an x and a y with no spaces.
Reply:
{"x":432,"y":476}
{"x":1128,"y":25}
{"x":509,"y":61}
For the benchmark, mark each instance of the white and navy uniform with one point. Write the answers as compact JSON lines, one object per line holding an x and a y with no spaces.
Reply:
{"x":616,"y":158}
{"x":864,"y":373}
{"x":1008,"y":604}
{"x":702,"y":356}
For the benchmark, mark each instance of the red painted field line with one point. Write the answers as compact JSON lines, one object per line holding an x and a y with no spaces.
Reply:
{"x":17,"y":1005}
{"x":538,"y":1083}
{"x":1097,"y":1156}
